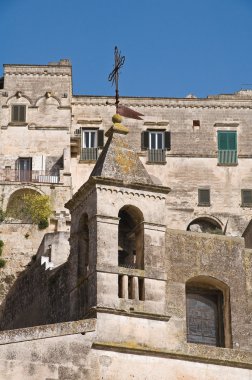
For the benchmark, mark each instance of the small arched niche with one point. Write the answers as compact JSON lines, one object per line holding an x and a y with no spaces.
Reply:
{"x":131,"y":238}
{"x":83,"y":245}
{"x":208,"y":319}
{"x":16,"y":208}
{"x":206,"y":225}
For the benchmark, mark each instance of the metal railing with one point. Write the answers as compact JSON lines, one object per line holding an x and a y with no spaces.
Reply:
{"x":156,"y":155}
{"x":89,"y":154}
{"x":38,"y":176}
{"x":227,"y":157}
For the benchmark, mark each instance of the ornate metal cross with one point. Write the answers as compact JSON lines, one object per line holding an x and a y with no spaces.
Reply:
{"x":114,"y":75}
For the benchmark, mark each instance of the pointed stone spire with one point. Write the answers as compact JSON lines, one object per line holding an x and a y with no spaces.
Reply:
{"x":118,"y":160}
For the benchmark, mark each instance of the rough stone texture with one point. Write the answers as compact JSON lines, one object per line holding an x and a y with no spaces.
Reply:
{"x":119,"y":161}
{"x":139,"y":333}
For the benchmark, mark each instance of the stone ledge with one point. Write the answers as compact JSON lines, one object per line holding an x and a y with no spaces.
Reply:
{"x":47,"y":331}
{"x":190,"y":352}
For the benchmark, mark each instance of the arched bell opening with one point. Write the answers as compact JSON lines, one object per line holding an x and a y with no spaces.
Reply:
{"x":131,"y":238}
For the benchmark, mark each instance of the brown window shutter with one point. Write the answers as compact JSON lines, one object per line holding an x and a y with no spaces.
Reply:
{"x":168,"y":140}
{"x":144,"y":140}
{"x":100,"y":138}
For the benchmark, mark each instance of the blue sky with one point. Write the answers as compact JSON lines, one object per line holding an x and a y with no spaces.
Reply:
{"x":172,"y":47}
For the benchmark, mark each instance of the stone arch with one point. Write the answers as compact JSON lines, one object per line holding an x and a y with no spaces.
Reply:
{"x":206,"y":224}
{"x":15,"y":207}
{"x":18,"y":99}
{"x":131,"y":237}
{"x":208,"y":314}
{"x":44,"y":97}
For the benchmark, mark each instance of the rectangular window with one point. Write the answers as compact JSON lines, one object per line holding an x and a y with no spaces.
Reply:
{"x":156,"y":140}
{"x":24,"y":169}
{"x":91,"y":140}
{"x":246,"y":197}
{"x":227,"y":147}
{"x":203,"y":197}
{"x":18,"y":113}
{"x":156,"y":143}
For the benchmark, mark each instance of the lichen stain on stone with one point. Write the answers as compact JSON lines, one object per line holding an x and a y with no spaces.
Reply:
{"x":125,"y":159}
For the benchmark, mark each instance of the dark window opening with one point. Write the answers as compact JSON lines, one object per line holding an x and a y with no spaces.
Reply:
{"x":141,"y":289}
{"x":120,"y":286}
{"x":196,"y":123}
{"x":130,"y":238}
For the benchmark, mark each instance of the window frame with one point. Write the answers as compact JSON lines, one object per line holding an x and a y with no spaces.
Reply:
{"x":156,"y":133}
{"x":215,"y":296}
{"x":227,"y":156}
{"x":18,"y":107}
{"x":204,"y":204}
{"x":83,"y":138}
{"x":246,"y":204}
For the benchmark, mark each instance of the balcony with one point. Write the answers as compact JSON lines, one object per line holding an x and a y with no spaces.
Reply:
{"x":227,"y":157}
{"x":89,"y":154}
{"x":156,"y":156}
{"x":34,"y":176}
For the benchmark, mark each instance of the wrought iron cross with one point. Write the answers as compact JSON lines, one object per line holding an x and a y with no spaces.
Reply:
{"x":114,"y":75}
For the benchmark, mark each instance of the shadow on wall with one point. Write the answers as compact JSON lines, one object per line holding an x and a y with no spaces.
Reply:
{"x":37,"y":297}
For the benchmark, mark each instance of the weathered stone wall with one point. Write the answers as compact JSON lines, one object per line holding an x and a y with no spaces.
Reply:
{"x":192,"y":161}
{"x":63,"y":352}
{"x":190,"y":255}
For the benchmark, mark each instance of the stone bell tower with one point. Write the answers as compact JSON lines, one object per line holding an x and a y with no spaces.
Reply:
{"x":118,"y":235}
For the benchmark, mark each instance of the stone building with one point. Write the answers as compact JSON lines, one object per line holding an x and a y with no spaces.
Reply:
{"x":156,"y":279}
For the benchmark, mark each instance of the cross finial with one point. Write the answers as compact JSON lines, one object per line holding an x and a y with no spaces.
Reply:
{"x":114,"y":75}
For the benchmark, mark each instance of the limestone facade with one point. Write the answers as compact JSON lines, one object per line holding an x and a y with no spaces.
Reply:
{"x":156,"y":279}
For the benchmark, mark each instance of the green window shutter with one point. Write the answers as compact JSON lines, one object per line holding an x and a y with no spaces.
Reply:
{"x":222,"y":141}
{"x":231,"y":140}
{"x":227,"y":147}
{"x":227,"y":140}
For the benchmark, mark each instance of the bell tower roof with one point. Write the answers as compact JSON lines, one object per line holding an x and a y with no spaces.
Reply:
{"x":118,"y":160}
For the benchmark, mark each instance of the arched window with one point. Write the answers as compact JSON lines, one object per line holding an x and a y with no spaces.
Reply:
{"x":208,"y":312}
{"x":205,"y":224}
{"x":130,"y":238}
